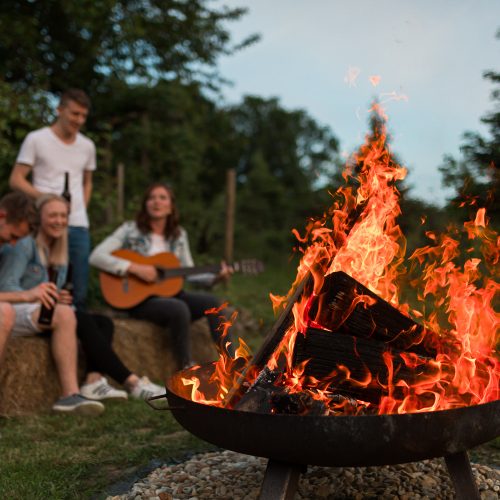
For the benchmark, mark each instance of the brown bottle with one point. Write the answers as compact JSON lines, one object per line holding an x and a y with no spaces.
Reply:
{"x":66,"y":193}
{"x":46,"y":313}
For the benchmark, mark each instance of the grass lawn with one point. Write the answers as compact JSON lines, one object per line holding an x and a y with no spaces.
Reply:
{"x":68,"y":457}
{"x":59,"y":456}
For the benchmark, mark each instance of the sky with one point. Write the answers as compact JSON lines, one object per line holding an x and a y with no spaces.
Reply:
{"x":430,"y":55}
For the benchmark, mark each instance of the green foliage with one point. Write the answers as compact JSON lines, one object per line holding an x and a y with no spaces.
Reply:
{"x":20,"y":112}
{"x":476,"y":176}
{"x":283,"y":155}
{"x":64,"y":44}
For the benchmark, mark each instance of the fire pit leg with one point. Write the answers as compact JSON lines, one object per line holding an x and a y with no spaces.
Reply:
{"x":280,"y":480}
{"x":461,"y":476}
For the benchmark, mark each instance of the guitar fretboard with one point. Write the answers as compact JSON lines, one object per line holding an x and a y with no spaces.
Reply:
{"x":165,"y":272}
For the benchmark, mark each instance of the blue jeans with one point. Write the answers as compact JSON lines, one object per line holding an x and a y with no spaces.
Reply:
{"x":79,"y":251}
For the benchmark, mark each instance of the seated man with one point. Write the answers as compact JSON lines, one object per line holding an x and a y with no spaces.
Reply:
{"x":17,"y":213}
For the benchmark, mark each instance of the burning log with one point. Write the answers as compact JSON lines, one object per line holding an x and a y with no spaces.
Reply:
{"x":264,"y":396}
{"x":355,"y":366}
{"x":346,"y":306}
{"x":299,"y":403}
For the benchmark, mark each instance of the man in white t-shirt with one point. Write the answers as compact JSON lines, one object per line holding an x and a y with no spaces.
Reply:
{"x":48,"y":153}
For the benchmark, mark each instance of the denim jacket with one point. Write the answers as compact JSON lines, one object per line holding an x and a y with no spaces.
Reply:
{"x":21,"y":267}
{"x":128,"y":236}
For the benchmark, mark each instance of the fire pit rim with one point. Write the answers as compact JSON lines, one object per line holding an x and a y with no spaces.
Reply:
{"x":339,"y":441}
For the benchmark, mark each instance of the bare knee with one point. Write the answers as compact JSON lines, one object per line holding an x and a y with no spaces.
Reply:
{"x":64,"y":317}
{"x":7,"y":317}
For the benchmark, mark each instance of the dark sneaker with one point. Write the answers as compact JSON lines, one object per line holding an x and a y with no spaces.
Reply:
{"x":77,"y":404}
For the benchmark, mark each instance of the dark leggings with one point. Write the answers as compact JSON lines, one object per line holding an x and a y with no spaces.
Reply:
{"x":176,"y":314}
{"x":95,"y":332}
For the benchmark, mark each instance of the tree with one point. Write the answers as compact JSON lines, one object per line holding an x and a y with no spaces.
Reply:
{"x":59,"y":44}
{"x":19,"y":114}
{"x":281,"y":154}
{"x":476,"y":177}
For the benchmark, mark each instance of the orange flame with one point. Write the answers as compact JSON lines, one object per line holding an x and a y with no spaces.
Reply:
{"x":359,"y":235}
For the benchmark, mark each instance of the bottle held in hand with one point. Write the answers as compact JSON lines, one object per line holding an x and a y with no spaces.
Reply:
{"x":66,"y":193}
{"x":46,"y":313}
{"x":68,"y":284}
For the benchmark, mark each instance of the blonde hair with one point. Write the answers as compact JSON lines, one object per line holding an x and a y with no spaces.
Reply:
{"x":57,"y":254}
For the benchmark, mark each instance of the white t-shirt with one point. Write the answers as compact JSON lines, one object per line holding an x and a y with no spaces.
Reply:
{"x":50,"y":157}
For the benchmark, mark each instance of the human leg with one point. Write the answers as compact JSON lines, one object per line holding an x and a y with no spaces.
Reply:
{"x":96,"y":333}
{"x":7,"y":318}
{"x":64,"y":352}
{"x":64,"y":348}
{"x":79,"y":250}
{"x":198,"y":304}
{"x":169,"y":312}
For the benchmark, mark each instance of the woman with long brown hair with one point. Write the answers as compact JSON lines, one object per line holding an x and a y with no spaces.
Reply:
{"x":156,"y":229}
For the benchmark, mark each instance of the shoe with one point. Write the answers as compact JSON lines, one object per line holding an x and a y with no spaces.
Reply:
{"x":145,"y":389}
{"x":79,"y":405}
{"x":100,"y":389}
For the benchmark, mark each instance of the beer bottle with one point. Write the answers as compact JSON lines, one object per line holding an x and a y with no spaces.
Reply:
{"x":68,"y":284}
{"x":46,"y":313}
{"x":66,"y":193}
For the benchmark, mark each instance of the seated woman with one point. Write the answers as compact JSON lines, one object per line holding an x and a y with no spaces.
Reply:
{"x":23,"y":273}
{"x":27,"y":265}
{"x":156,"y":229}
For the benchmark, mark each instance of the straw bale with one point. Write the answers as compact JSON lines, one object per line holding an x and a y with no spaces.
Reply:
{"x":28,"y":379}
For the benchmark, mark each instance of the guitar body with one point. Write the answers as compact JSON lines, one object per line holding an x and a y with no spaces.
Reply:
{"x":124,"y":292}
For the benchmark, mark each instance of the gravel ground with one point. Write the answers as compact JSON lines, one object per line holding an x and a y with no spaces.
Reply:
{"x":230,"y":475}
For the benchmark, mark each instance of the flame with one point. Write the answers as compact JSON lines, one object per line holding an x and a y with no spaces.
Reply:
{"x":454,"y":291}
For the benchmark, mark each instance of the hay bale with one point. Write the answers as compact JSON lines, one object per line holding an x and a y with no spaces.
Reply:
{"x":28,"y":378}
{"x":147,"y":349}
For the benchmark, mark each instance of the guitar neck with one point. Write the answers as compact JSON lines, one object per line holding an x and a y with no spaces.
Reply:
{"x":187,"y":271}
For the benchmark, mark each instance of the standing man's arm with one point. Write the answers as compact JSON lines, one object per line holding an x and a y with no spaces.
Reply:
{"x":18,"y":180}
{"x":87,"y":186}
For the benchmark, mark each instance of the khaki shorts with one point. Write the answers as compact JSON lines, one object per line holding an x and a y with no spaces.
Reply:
{"x":24,"y":325}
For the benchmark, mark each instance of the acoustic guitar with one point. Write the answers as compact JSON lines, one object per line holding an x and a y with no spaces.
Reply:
{"x":123,"y":292}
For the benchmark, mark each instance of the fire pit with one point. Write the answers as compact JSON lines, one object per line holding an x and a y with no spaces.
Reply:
{"x":291,"y":442}
{"x":349,"y":375}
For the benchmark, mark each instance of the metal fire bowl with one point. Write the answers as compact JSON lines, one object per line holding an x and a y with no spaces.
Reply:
{"x":333,"y":441}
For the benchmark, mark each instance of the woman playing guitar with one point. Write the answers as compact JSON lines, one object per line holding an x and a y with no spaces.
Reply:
{"x":156,"y":230}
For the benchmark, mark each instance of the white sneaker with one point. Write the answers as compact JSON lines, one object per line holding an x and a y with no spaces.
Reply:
{"x":145,"y":389}
{"x":100,"y":390}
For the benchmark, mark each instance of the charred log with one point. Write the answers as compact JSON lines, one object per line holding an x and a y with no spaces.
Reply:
{"x":299,"y":403}
{"x":346,"y":306}
{"x":357,"y":367}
